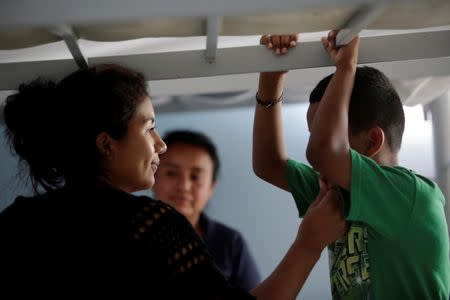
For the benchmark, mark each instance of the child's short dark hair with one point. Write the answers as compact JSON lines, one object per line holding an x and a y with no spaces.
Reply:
{"x":374,"y":102}
{"x":195,"y":139}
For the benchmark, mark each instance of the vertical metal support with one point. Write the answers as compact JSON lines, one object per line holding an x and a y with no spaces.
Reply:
{"x":69,"y":37}
{"x":440,"y":112}
{"x":213,"y":25}
{"x":359,"y":21}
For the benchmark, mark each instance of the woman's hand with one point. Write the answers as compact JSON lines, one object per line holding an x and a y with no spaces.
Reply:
{"x":324,"y":221}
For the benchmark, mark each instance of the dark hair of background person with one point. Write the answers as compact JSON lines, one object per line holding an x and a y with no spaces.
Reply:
{"x":53,"y":126}
{"x":374,"y":102}
{"x":196,"y":139}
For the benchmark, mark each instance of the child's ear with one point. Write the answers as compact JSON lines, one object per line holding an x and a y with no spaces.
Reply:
{"x":376,"y":141}
{"x":105,"y":145}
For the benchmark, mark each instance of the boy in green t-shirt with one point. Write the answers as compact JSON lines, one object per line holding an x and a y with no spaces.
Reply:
{"x":397,"y":245}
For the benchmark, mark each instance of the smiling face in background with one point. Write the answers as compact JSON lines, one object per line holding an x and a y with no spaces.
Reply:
{"x":185,"y":179}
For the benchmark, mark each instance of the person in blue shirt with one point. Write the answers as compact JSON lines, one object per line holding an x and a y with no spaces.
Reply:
{"x":186,"y":180}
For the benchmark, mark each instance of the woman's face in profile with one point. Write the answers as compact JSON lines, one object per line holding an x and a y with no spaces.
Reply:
{"x":185,"y":179}
{"x":134,"y":158}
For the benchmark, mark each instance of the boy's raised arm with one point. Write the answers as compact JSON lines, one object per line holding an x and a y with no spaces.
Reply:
{"x":269,"y":153}
{"x":328,"y":148}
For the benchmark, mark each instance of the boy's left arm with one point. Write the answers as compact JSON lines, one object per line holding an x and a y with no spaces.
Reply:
{"x":328,"y":149}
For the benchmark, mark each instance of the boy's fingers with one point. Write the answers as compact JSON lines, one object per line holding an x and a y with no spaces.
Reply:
{"x":332,"y":38}
{"x":285,"y":41}
{"x":332,"y":34}
{"x":293,"y":40}
{"x":324,"y":41}
{"x":276,"y":41}
{"x":332,"y":43}
{"x":279,"y":43}
{"x":329,"y":46}
{"x":264,"y":40}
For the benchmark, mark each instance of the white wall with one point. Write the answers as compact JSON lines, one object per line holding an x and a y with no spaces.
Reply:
{"x":266,"y":216}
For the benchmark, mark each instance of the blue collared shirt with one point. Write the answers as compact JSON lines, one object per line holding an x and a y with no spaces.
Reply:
{"x":231,"y":253}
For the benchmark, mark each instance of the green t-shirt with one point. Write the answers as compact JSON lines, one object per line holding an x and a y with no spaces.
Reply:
{"x":397,"y":246}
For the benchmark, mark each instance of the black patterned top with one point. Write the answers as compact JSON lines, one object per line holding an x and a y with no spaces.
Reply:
{"x":101,"y":239}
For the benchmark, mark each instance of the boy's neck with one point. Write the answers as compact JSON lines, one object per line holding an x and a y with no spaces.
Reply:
{"x":386,"y":158}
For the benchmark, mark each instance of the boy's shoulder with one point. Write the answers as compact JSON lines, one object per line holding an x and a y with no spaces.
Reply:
{"x":424,"y":187}
{"x":421,"y":179}
{"x":364,"y":164}
{"x":365,"y":169}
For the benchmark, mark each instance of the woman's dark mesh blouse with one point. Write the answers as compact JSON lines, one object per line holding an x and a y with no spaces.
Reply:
{"x":102,"y":238}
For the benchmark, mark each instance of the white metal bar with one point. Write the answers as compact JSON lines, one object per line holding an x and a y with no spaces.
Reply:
{"x":251,"y":59}
{"x":359,"y":21}
{"x":51,"y":12}
{"x":429,"y":51}
{"x":71,"y":40}
{"x":213,"y":25}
